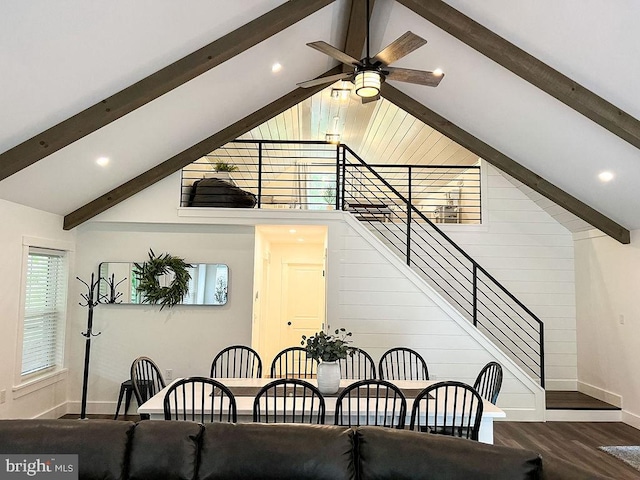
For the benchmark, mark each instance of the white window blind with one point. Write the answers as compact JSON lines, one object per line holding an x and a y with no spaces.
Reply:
{"x":45,"y":299}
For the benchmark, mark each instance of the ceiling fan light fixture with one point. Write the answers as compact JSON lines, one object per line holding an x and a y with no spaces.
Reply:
{"x":368,"y":83}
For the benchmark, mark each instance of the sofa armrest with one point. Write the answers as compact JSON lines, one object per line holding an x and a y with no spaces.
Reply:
{"x":408,"y":455}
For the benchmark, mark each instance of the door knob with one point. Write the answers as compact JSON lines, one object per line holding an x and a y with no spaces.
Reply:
{"x":288,"y":323}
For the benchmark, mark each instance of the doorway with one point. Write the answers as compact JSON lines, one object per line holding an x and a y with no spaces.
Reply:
{"x":289,"y":287}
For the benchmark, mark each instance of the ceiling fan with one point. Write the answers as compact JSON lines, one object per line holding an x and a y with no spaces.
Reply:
{"x":369,"y":73}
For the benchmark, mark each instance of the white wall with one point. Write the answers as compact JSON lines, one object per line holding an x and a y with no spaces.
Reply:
{"x":386,"y":305}
{"x":532,"y":255}
{"x":47,"y":398}
{"x":183,"y":338}
{"x":608,"y":312}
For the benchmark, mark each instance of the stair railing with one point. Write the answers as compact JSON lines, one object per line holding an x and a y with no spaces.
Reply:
{"x":405,"y":229}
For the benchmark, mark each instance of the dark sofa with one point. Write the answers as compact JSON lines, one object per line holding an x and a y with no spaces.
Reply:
{"x":110,"y":449}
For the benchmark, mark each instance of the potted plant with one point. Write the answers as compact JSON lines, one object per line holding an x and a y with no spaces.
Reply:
{"x":328,"y":349}
{"x":223,"y":170}
{"x":221,"y":166}
{"x":329,"y":197}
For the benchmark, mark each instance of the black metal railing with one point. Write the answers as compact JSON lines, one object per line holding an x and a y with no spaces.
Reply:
{"x":402,"y":204}
{"x":303,"y":175}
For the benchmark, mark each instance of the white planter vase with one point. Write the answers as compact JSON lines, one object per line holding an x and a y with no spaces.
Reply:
{"x":328,"y":377}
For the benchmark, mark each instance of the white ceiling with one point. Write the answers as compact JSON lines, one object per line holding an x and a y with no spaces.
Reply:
{"x":61,"y":57}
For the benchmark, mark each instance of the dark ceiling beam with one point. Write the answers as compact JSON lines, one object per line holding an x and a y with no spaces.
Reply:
{"x":357,"y":30}
{"x":528,"y":67}
{"x":156,"y":84}
{"x":190,"y":155}
{"x":506,"y":164}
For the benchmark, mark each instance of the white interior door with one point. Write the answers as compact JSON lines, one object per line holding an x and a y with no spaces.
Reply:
{"x":303,"y":302}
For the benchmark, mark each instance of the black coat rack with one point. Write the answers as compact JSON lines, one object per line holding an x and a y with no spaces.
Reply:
{"x":90,"y":300}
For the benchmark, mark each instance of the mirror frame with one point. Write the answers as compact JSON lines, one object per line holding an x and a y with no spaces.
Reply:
{"x":120,"y":290}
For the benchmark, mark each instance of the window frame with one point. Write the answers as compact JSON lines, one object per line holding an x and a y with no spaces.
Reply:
{"x":57,"y":372}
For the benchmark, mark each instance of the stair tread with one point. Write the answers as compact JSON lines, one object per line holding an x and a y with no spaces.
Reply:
{"x":571,"y":400}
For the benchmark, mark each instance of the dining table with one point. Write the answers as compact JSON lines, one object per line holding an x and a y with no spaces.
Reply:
{"x":245,"y":390}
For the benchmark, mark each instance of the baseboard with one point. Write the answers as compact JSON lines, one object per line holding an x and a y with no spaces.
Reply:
{"x":631,"y":419}
{"x":600,"y":394}
{"x":570,"y":385}
{"x":99,"y":408}
{"x":55,"y":412}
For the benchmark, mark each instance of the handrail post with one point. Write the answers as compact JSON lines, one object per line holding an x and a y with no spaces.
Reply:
{"x":337,"y":183}
{"x":259,"y":173}
{"x":344,"y":179}
{"x":409,"y":204}
{"x":475,"y":295}
{"x":542,"y":373}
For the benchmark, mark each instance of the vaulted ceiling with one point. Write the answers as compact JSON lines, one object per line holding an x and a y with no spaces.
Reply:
{"x":62,"y":58}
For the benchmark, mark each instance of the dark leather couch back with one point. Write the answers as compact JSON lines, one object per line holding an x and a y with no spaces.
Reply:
{"x":147,"y":450}
{"x":102,"y":445}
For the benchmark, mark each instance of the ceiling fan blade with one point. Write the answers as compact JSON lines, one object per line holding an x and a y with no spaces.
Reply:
{"x":420,"y":77}
{"x":400,"y":47}
{"x":321,"y":80}
{"x":333,"y":52}
{"x":370,"y":99}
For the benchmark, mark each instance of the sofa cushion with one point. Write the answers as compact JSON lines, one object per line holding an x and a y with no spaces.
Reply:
{"x":401,"y":454}
{"x":247,"y":451}
{"x":166,"y":450}
{"x":101,"y":445}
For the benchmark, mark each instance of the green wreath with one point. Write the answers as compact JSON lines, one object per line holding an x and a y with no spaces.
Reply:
{"x":149,"y":286}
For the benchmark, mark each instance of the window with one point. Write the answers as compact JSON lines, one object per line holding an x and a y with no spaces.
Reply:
{"x":44,"y":310}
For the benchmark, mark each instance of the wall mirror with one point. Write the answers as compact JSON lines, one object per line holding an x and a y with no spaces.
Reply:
{"x":208,"y":286}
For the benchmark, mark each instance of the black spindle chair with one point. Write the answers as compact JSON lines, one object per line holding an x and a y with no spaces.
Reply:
{"x":237,"y":361}
{"x":359,"y":366}
{"x":402,"y":363}
{"x":371,"y":402}
{"x":448,"y":408}
{"x":489,"y":381}
{"x":293,"y":362}
{"x":200,"y":399}
{"x":146,"y":380}
{"x":289,"y":400}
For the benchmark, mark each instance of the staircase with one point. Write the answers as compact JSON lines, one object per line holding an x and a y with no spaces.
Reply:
{"x":475,"y":293}
{"x":569,"y":406}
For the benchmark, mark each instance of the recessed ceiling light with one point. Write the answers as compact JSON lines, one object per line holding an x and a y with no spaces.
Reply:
{"x":438,"y":72}
{"x":293,"y":230}
{"x":276,"y":67}
{"x":102,"y":161}
{"x":605,"y":176}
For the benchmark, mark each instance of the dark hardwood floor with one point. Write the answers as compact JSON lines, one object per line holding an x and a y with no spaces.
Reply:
{"x":576,"y":442}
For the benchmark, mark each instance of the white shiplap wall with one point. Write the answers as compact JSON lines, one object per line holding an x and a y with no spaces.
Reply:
{"x":385,"y":305}
{"x":531,"y":254}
